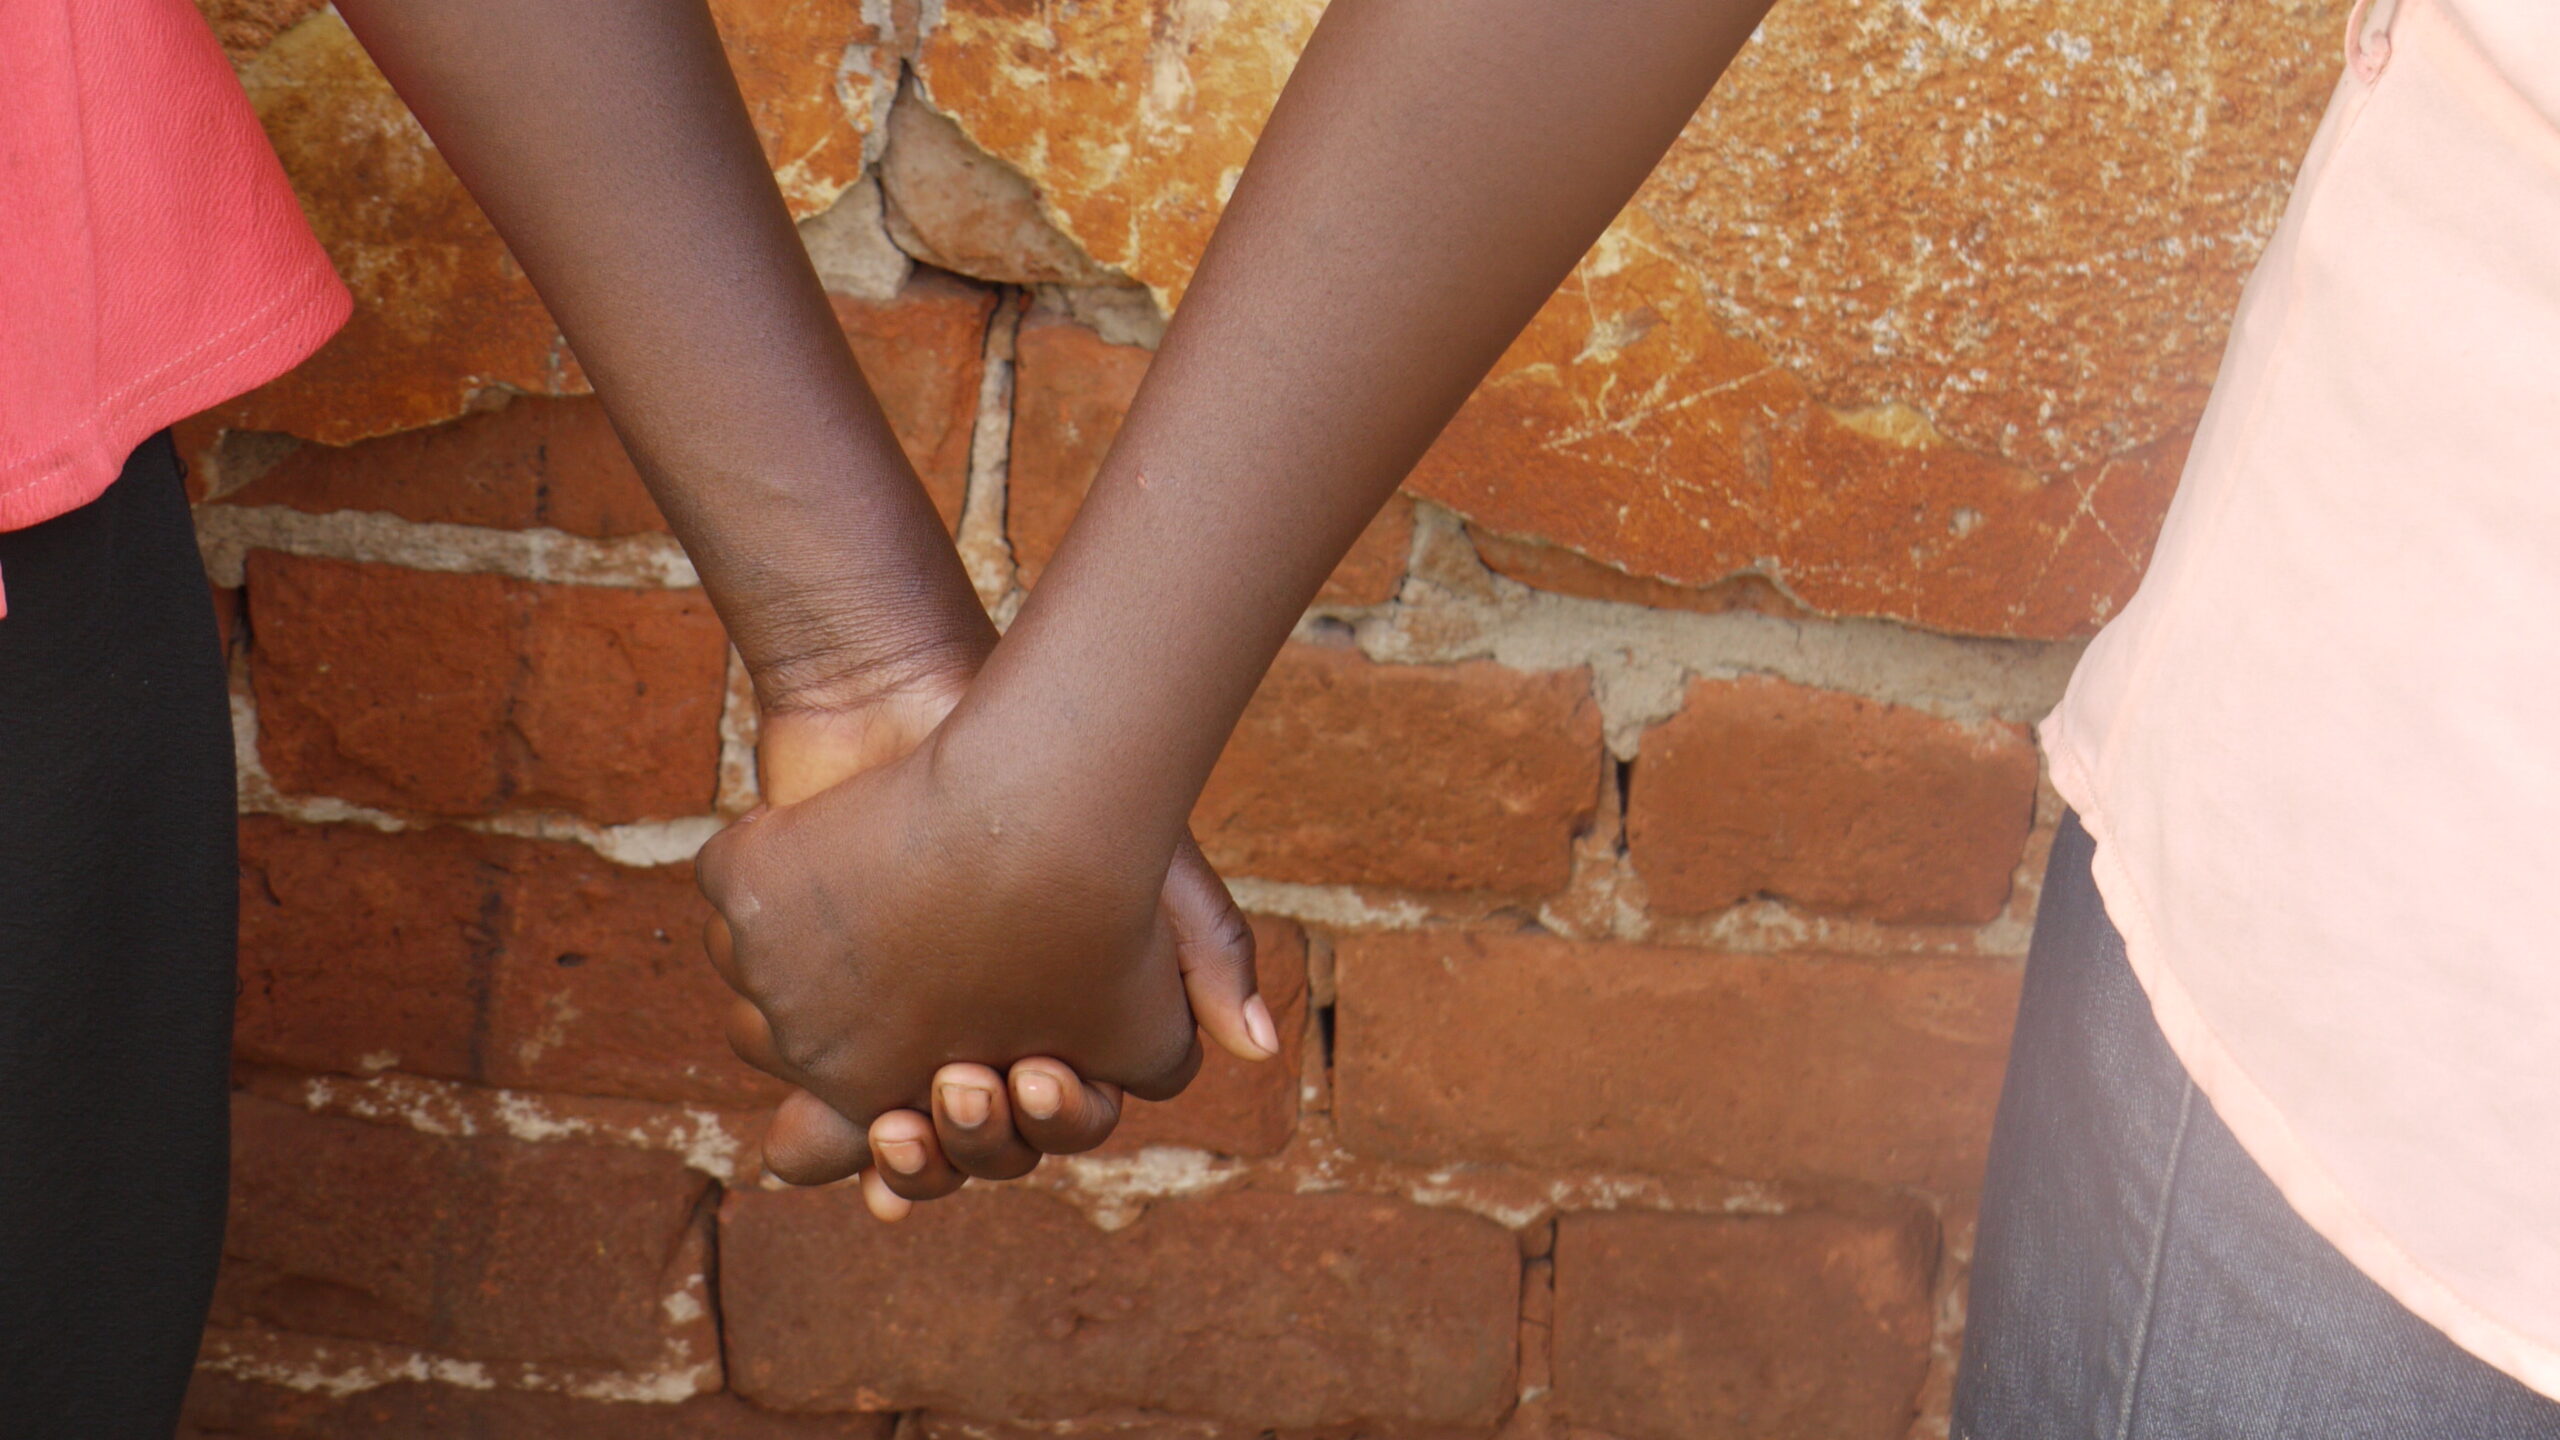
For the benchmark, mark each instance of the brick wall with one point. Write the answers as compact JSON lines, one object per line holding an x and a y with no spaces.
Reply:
{"x":1642,"y":828}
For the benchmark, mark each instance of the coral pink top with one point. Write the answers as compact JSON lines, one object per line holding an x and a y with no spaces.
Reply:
{"x":2320,"y":751}
{"x":152,"y":259}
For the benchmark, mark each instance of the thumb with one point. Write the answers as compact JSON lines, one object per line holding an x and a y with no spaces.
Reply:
{"x":1213,"y":943}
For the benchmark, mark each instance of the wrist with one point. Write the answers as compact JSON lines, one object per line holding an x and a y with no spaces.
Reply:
{"x":835,"y":661}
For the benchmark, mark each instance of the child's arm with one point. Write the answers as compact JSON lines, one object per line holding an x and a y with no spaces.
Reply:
{"x":1431,"y":173}
{"x":609,"y":144}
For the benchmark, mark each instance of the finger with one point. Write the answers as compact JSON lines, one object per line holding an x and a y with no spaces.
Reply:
{"x":751,"y":1036}
{"x":721,"y":946}
{"x":908,"y":1160}
{"x":1056,"y":1111}
{"x":1213,"y":943}
{"x":716,"y":864}
{"x":885,"y":1204}
{"x":808,"y":1143}
{"x":974,"y":1122}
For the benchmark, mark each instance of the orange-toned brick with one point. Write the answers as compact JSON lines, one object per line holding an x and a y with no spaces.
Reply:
{"x":1529,"y":1050}
{"x":1429,"y":777}
{"x":1288,"y":1311}
{"x":1794,"y":1327}
{"x":1831,"y":801}
{"x":924,"y":354}
{"x":1071,"y":390}
{"x":1236,"y":1107}
{"x":222,"y":1408}
{"x":517,"y":963}
{"x":532,"y":461}
{"x":476,"y":1248}
{"x":464,"y":694}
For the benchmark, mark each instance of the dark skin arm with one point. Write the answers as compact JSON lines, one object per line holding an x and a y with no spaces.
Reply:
{"x":609,"y":145}
{"x":1431,"y":174}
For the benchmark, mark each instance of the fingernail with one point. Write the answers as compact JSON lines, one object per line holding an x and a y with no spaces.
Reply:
{"x":1259,"y":1028}
{"x":966,"y":1105}
{"x":904,"y":1156}
{"x":1039,"y":1096}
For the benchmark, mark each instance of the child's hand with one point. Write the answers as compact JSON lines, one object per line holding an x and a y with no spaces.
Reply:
{"x":876,"y":962}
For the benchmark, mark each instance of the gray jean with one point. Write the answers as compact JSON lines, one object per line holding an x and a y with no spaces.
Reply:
{"x":2138,"y":1277}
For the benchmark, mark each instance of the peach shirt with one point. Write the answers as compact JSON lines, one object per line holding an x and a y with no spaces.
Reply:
{"x":153,"y":260}
{"x":2320,"y":750}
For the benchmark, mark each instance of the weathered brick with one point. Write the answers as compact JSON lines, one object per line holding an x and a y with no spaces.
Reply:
{"x":1289,"y":1311}
{"x":443,"y":313}
{"x":464,"y":694}
{"x":222,"y":1408}
{"x":557,"y":462}
{"x":1825,"y":379}
{"x":1530,"y":1050}
{"x":1552,"y":567}
{"x":1796,"y":1327}
{"x":1831,"y":801}
{"x":936,"y":1425}
{"x":532,"y":461}
{"x":1430,"y":777}
{"x":517,"y":963}
{"x":572,"y":1256}
{"x":1235,"y":1107}
{"x":924,"y":354}
{"x":1071,"y":391}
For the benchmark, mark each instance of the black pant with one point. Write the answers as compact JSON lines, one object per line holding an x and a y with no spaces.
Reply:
{"x":2138,"y":1277}
{"x":118,"y":893}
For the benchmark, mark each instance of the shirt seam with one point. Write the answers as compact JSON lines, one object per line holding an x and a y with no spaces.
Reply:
{"x":161,"y":378}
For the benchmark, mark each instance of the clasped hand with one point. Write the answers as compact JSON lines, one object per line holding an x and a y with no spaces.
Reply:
{"x":905,"y":919}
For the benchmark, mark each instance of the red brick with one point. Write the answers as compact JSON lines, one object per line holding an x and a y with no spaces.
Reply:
{"x":935,"y":1425}
{"x":465,"y":694}
{"x":925,"y":353}
{"x":1235,"y":1107}
{"x":533,"y":461}
{"x":219,"y":1406}
{"x":481,"y":958}
{"x":1071,"y":391}
{"x":558,"y":462}
{"x":1798,"y":1327}
{"x":574,"y":1256}
{"x":1292,"y":1311}
{"x":1836,"y":803}
{"x":1529,"y":1050}
{"x":1429,"y":777}
{"x":1549,"y":567}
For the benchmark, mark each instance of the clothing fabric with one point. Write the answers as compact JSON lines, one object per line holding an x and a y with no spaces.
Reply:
{"x":118,"y":899}
{"x":2137,"y":1277}
{"x":153,"y":260}
{"x":2320,"y":750}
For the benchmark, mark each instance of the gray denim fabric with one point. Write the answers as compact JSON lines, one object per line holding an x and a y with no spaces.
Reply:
{"x":2138,"y":1277}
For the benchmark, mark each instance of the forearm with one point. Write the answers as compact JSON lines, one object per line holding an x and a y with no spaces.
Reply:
{"x":608,"y":143}
{"x":1431,"y":173}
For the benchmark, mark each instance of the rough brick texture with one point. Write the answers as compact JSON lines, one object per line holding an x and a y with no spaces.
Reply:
{"x":1524,"y":1049}
{"x":1072,"y":389}
{"x":1289,"y":1311}
{"x":1447,"y":777}
{"x":517,"y":963}
{"x":463,"y":694}
{"x":531,"y":461}
{"x":221,"y":1408}
{"x":1832,"y":801}
{"x":1237,"y":1107}
{"x":538,"y":461}
{"x":488,"y":1249}
{"x":1797,"y":1327}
